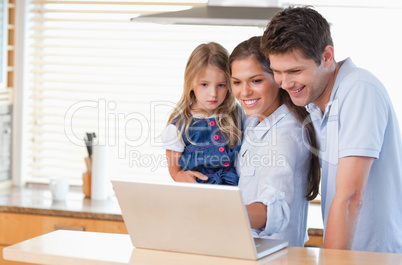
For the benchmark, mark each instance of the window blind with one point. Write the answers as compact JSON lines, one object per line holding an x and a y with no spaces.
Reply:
{"x":5,"y":96}
{"x":93,"y":70}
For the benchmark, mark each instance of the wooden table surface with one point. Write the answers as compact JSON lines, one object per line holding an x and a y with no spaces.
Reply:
{"x":75,"y":247}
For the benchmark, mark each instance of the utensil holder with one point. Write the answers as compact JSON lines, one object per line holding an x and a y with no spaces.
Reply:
{"x":87,"y":177}
{"x":86,"y":184}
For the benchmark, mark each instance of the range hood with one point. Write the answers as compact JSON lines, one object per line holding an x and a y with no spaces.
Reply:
{"x":220,"y":12}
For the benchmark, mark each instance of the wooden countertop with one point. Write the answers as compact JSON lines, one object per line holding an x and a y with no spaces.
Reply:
{"x":37,"y":199}
{"x":73,"y":247}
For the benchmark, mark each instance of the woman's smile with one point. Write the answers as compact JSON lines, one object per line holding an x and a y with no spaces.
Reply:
{"x":250,"y":102}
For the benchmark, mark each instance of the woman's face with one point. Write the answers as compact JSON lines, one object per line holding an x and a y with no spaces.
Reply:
{"x":254,"y":88}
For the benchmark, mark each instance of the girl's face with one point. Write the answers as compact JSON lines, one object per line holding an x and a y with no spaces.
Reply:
{"x":210,"y":89}
{"x":254,"y":88}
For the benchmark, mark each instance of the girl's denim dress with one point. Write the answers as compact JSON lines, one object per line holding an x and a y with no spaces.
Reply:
{"x":209,"y":153}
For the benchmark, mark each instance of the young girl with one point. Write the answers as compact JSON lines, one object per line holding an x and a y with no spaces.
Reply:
{"x":202,"y":137}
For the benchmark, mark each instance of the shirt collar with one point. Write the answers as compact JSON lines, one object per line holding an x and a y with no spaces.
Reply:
{"x":261,"y":128}
{"x":346,"y":67}
{"x":201,"y":117}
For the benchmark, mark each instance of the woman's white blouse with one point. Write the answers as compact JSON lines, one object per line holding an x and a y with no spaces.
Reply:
{"x":273,"y":166}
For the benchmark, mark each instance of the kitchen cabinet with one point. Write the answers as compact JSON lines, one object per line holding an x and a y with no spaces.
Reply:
{"x":30,"y":212}
{"x":16,"y":227}
{"x":315,"y":237}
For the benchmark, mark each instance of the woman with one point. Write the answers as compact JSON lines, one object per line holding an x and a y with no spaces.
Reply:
{"x":278,"y":173}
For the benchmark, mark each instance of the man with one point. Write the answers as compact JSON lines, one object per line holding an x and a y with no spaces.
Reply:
{"x":357,"y":130}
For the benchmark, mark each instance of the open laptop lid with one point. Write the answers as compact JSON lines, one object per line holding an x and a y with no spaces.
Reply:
{"x":182,"y":217}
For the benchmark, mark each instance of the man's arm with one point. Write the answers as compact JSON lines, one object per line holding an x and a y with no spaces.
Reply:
{"x":351,"y":180}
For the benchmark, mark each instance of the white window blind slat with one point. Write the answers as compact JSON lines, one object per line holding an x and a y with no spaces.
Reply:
{"x":5,"y":96}
{"x":93,"y":70}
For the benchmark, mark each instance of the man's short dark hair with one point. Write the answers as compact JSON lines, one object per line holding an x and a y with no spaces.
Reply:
{"x":300,"y":29}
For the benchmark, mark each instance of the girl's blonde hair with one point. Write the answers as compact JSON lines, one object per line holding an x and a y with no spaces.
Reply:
{"x":226,"y":115}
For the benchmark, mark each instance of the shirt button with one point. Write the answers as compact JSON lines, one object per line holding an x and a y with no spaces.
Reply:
{"x":216,"y":137}
{"x":212,"y":123}
{"x":226,"y":164}
{"x":221,"y":149}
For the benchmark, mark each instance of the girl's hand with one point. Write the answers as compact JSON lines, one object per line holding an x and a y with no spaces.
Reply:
{"x":189,"y":176}
{"x":177,"y":173}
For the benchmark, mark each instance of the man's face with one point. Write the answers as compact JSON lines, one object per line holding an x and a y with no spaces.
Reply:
{"x":301,"y":78}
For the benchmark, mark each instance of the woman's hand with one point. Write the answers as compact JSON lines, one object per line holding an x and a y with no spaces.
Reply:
{"x":189,"y":176}
{"x":257,"y":214}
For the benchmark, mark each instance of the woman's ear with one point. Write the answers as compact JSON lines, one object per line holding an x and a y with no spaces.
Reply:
{"x":328,"y":56}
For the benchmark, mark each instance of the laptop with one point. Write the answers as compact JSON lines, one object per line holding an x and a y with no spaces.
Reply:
{"x":192,"y":218}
